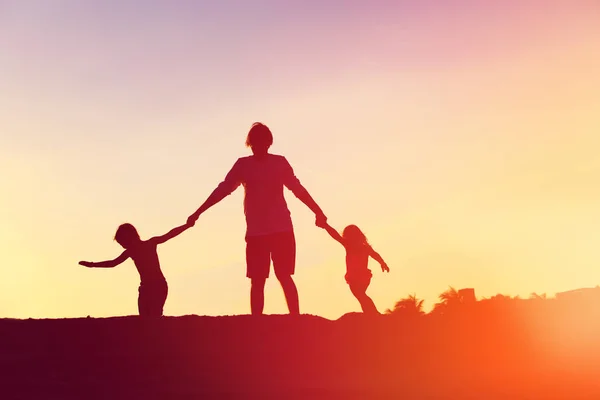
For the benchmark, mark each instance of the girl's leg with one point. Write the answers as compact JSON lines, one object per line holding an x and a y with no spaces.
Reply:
{"x":359,"y":289}
{"x":257,"y":295}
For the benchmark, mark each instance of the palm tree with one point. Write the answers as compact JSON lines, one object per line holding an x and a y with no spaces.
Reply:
{"x":410,"y":305}
{"x":449,"y":298}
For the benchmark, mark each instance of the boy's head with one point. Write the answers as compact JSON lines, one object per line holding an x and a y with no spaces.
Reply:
{"x":259,"y":138}
{"x":127,"y":235}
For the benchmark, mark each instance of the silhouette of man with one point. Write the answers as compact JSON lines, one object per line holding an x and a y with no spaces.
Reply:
{"x":269,"y":229}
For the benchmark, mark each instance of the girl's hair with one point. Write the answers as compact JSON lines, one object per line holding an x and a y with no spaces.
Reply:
{"x":259,"y":134}
{"x":125,"y":233}
{"x":354,"y":236}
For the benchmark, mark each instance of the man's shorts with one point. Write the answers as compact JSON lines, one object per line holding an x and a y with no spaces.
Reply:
{"x":260,"y":250}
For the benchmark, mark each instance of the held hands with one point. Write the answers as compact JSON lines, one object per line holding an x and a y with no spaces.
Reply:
{"x":321,"y":220}
{"x":192,"y":219}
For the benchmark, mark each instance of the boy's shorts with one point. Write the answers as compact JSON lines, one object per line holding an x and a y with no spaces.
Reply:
{"x":279,"y":247}
{"x":152,"y":298}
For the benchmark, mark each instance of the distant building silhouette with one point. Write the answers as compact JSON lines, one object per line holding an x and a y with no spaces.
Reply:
{"x":467,"y":295}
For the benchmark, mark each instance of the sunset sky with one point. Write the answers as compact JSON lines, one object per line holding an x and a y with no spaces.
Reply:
{"x":462,"y":137}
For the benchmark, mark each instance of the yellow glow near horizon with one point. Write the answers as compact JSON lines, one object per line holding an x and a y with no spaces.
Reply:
{"x":463,"y":144}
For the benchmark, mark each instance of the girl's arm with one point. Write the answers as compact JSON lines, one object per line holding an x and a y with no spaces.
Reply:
{"x":332,"y":232}
{"x":106,"y":264}
{"x":378,"y":258}
{"x":172,"y":233}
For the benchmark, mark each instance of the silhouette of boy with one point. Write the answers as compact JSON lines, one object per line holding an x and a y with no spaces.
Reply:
{"x":153,"y":288}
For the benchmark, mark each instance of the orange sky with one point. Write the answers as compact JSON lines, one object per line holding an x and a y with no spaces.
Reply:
{"x":462,"y":139}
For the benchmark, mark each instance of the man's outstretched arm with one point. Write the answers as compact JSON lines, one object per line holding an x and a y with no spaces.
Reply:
{"x":292,"y":183}
{"x":225,"y":188}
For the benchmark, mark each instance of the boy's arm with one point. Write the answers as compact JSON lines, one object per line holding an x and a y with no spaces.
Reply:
{"x":106,"y":264}
{"x":378,"y":258}
{"x":171,"y":234}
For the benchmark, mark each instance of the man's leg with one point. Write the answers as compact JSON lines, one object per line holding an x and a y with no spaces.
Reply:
{"x":257,"y":296}
{"x":283,"y":253}
{"x":258,"y":263}
{"x":291,"y":293}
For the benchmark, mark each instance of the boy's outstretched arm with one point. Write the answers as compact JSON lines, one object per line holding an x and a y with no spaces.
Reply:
{"x":172,"y":233}
{"x":106,"y":264}
{"x":378,"y":258}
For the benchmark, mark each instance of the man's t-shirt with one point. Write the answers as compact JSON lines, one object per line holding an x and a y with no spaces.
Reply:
{"x":263,"y":179}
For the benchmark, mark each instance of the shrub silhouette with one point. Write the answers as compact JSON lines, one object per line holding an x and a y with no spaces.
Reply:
{"x":408,"y":306}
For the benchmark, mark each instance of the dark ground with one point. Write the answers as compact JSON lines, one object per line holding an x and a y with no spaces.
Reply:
{"x":472,"y":356}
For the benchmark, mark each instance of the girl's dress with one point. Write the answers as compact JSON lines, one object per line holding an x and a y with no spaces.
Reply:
{"x":357,"y":261}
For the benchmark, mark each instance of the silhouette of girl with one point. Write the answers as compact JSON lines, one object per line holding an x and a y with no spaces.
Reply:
{"x":358,"y":275}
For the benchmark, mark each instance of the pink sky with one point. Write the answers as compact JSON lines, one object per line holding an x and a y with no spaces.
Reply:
{"x":461,"y":137}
